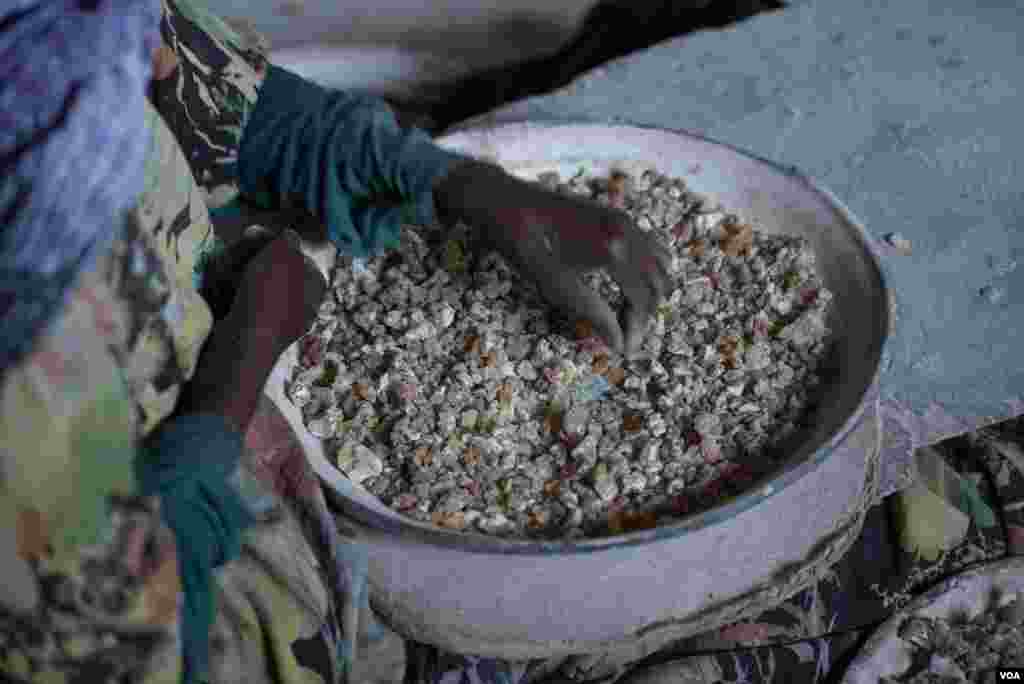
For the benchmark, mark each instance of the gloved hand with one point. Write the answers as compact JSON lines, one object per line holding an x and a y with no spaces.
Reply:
{"x":520,"y":219}
{"x":341,"y":157}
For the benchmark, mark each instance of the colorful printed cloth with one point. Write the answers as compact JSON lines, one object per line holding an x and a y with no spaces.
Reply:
{"x":91,"y":591}
{"x":72,"y":80}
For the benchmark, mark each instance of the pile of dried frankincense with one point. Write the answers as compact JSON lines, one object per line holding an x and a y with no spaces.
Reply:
{"x":962,"y":649}
{"x":444,"y":385}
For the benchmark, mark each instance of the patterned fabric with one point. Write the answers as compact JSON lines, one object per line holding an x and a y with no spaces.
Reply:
{"x":91,"y":591}
{"x":71,"y":92}
{"x":206,"y":103}
{"x":425,"y":664}
{"x":97,"y":570}
{"x":209,"y":98}
{"x":1002,"y":453}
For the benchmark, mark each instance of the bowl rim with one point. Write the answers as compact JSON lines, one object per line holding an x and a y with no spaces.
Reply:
{"x":375,"y":524}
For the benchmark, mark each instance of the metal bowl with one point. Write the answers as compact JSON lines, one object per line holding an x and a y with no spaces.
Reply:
{"x":442,"y":585}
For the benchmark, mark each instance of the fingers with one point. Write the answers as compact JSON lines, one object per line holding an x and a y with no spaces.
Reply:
{"x":562,"y":287}
{"x":635,"y":259}
{"x":635,"y":322}
{"x":641,"y":267}
{"x":585,"y":235}
{"x":664,"y":265}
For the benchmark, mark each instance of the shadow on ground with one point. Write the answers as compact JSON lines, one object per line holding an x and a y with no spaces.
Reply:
{"x":610,"y":30}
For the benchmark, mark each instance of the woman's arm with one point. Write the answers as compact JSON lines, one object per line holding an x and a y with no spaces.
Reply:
{"x":190,"y":460}
{"x":277,"y":300}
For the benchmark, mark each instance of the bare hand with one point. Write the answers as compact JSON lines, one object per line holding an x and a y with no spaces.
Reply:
{"x":553,"y":239}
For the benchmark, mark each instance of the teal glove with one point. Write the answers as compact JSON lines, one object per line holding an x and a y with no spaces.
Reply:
{"x":187,"y":462}
{"x":343,"y":158}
